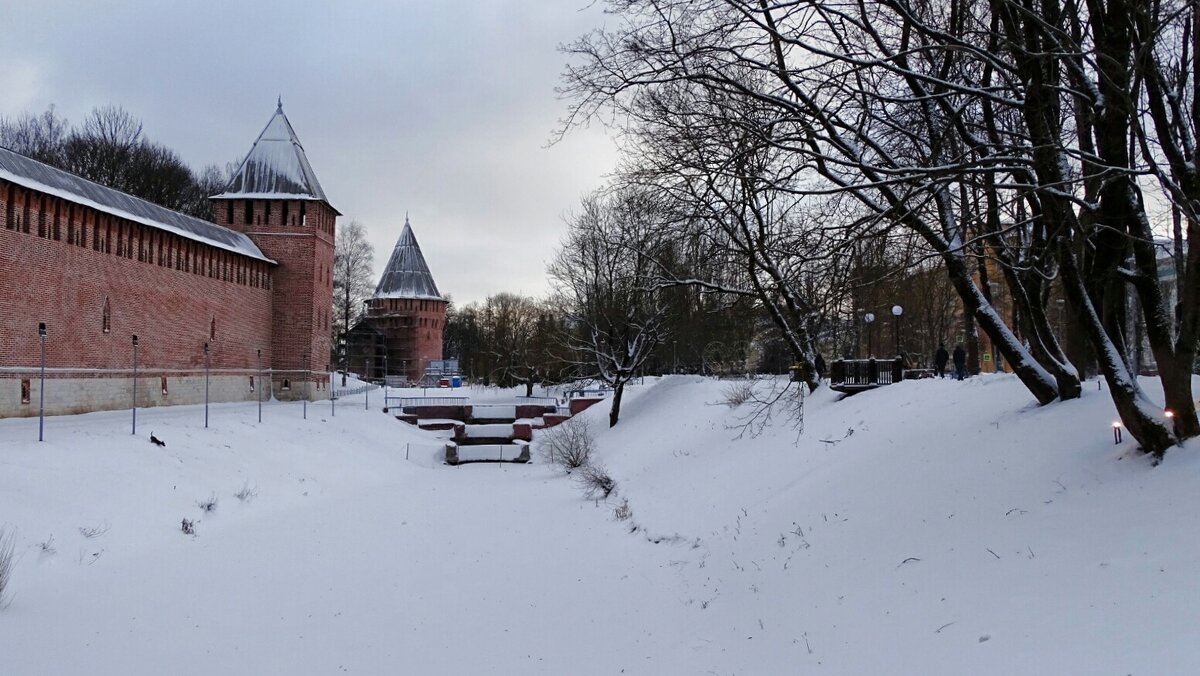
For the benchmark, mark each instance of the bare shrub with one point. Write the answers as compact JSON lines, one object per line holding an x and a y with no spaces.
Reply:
{"x":7,"y":549}
{"x":247,"y":493}
{"x":623,"y":512}
{"x":47,"y":547}
{"x":568,"y":445}
{"x":90,"y":532}
{"x":209,"y":505}
{"x":738,"y":393}
{"x":188,"y":527}
{"x":595,"y":481}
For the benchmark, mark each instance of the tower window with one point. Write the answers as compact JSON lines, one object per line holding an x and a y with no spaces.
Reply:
{"x":266,"y":213}
{"x":229,"y":212}
{"x":106,"y":317}
{"x":249,"y":212}
{"x":284,"y":218}
{"x":287,"y":385}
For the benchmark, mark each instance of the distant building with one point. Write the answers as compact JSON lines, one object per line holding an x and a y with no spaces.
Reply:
{"x":401,"y":332}
{"x":246,"y":296}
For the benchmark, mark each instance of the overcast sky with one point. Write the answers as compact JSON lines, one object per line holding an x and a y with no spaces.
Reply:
{"x":443,"y":110}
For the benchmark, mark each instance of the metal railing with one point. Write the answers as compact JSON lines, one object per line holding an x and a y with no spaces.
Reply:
{"x":401,"y":402}
{"x":865,"y":373}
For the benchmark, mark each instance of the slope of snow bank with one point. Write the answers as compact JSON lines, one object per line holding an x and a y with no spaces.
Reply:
{"x":931,"y":527}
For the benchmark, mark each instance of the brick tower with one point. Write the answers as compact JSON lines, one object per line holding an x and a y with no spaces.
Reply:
{"x":275,"y":199}
{"x":401,"y":332}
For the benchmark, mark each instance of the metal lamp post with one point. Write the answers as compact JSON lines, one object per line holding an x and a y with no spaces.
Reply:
{"x":896,"y":312}
{"x":42,"y":384}
{"x":868,"y":318}
{"x":367,"y":388}
{"x":206,"y":386}
{"x":307,"y":372}
{"x":260,"y":384}
{"x":135,"y":346}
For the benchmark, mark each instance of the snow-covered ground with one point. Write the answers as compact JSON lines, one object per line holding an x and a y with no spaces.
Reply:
{"x":931,"y":527}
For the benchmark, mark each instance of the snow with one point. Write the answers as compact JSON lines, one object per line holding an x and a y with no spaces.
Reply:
{"x":930,"y":527}
{"x":494,"y":412}
{"x":493,"y":431}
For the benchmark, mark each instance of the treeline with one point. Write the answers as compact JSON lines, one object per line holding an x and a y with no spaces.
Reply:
{"x":110,"y":148}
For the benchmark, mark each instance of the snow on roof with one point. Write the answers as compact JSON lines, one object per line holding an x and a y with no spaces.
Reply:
{"x":34,"y":175}
{"x":406,"y":274}
{"x":275,"y":167}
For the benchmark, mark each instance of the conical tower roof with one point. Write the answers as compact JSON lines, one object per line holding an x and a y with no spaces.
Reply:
{"x":407,"y":275}
{"x":276,"y":167}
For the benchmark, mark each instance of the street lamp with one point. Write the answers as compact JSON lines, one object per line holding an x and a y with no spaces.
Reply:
{"x":307,"y":377}
{"x":206,"y":386}
{"x":42,"y":384}
{"x":896,"y":312}
{"x":868,"y":318}
{"x":135,"y":346}
{"x":260,"y":384}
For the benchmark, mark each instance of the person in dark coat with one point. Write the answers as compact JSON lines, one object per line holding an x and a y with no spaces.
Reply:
{"x":939,"y":360}
{"x":960,"y":362}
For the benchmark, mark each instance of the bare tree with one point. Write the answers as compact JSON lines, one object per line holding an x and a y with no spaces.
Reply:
{"x":1005,"y":134}
{"x":520,"y":335}
{"x":353,"y":281}
{"x":38,"y":136}
{"x":604,"y":278}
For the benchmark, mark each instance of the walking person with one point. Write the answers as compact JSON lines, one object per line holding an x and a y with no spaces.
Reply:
{"x":940,"y":359}
{"x":960,"y":362}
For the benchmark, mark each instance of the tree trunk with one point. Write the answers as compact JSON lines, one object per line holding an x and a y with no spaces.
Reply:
{"x":1035,"y":378}
{"x":615,"y":412}
{"x":1137,"y":412}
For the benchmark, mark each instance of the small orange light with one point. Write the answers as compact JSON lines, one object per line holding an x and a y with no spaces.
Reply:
{"x":1116,"y":424}
{"x":1169,"y":413}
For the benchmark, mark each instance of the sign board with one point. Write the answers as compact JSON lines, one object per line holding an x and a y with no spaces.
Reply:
{"x":442,"y":367}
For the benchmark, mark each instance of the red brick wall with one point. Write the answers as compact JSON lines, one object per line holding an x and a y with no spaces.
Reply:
{"x":64,"y":282}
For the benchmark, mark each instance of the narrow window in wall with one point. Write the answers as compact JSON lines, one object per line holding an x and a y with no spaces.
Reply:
{"x":251,"y":383}
{"x":10,"y":211}
{"x":302,"y":214}
{"x":26,"y":390}
{"x":266,"y":213}
{"x":287,"y":385}
{"x":106,"y":317}
{"x":212,"y":329}
{"x":283,"y":220}
{"x":249,"y":212}
{"x":164,"y":385}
